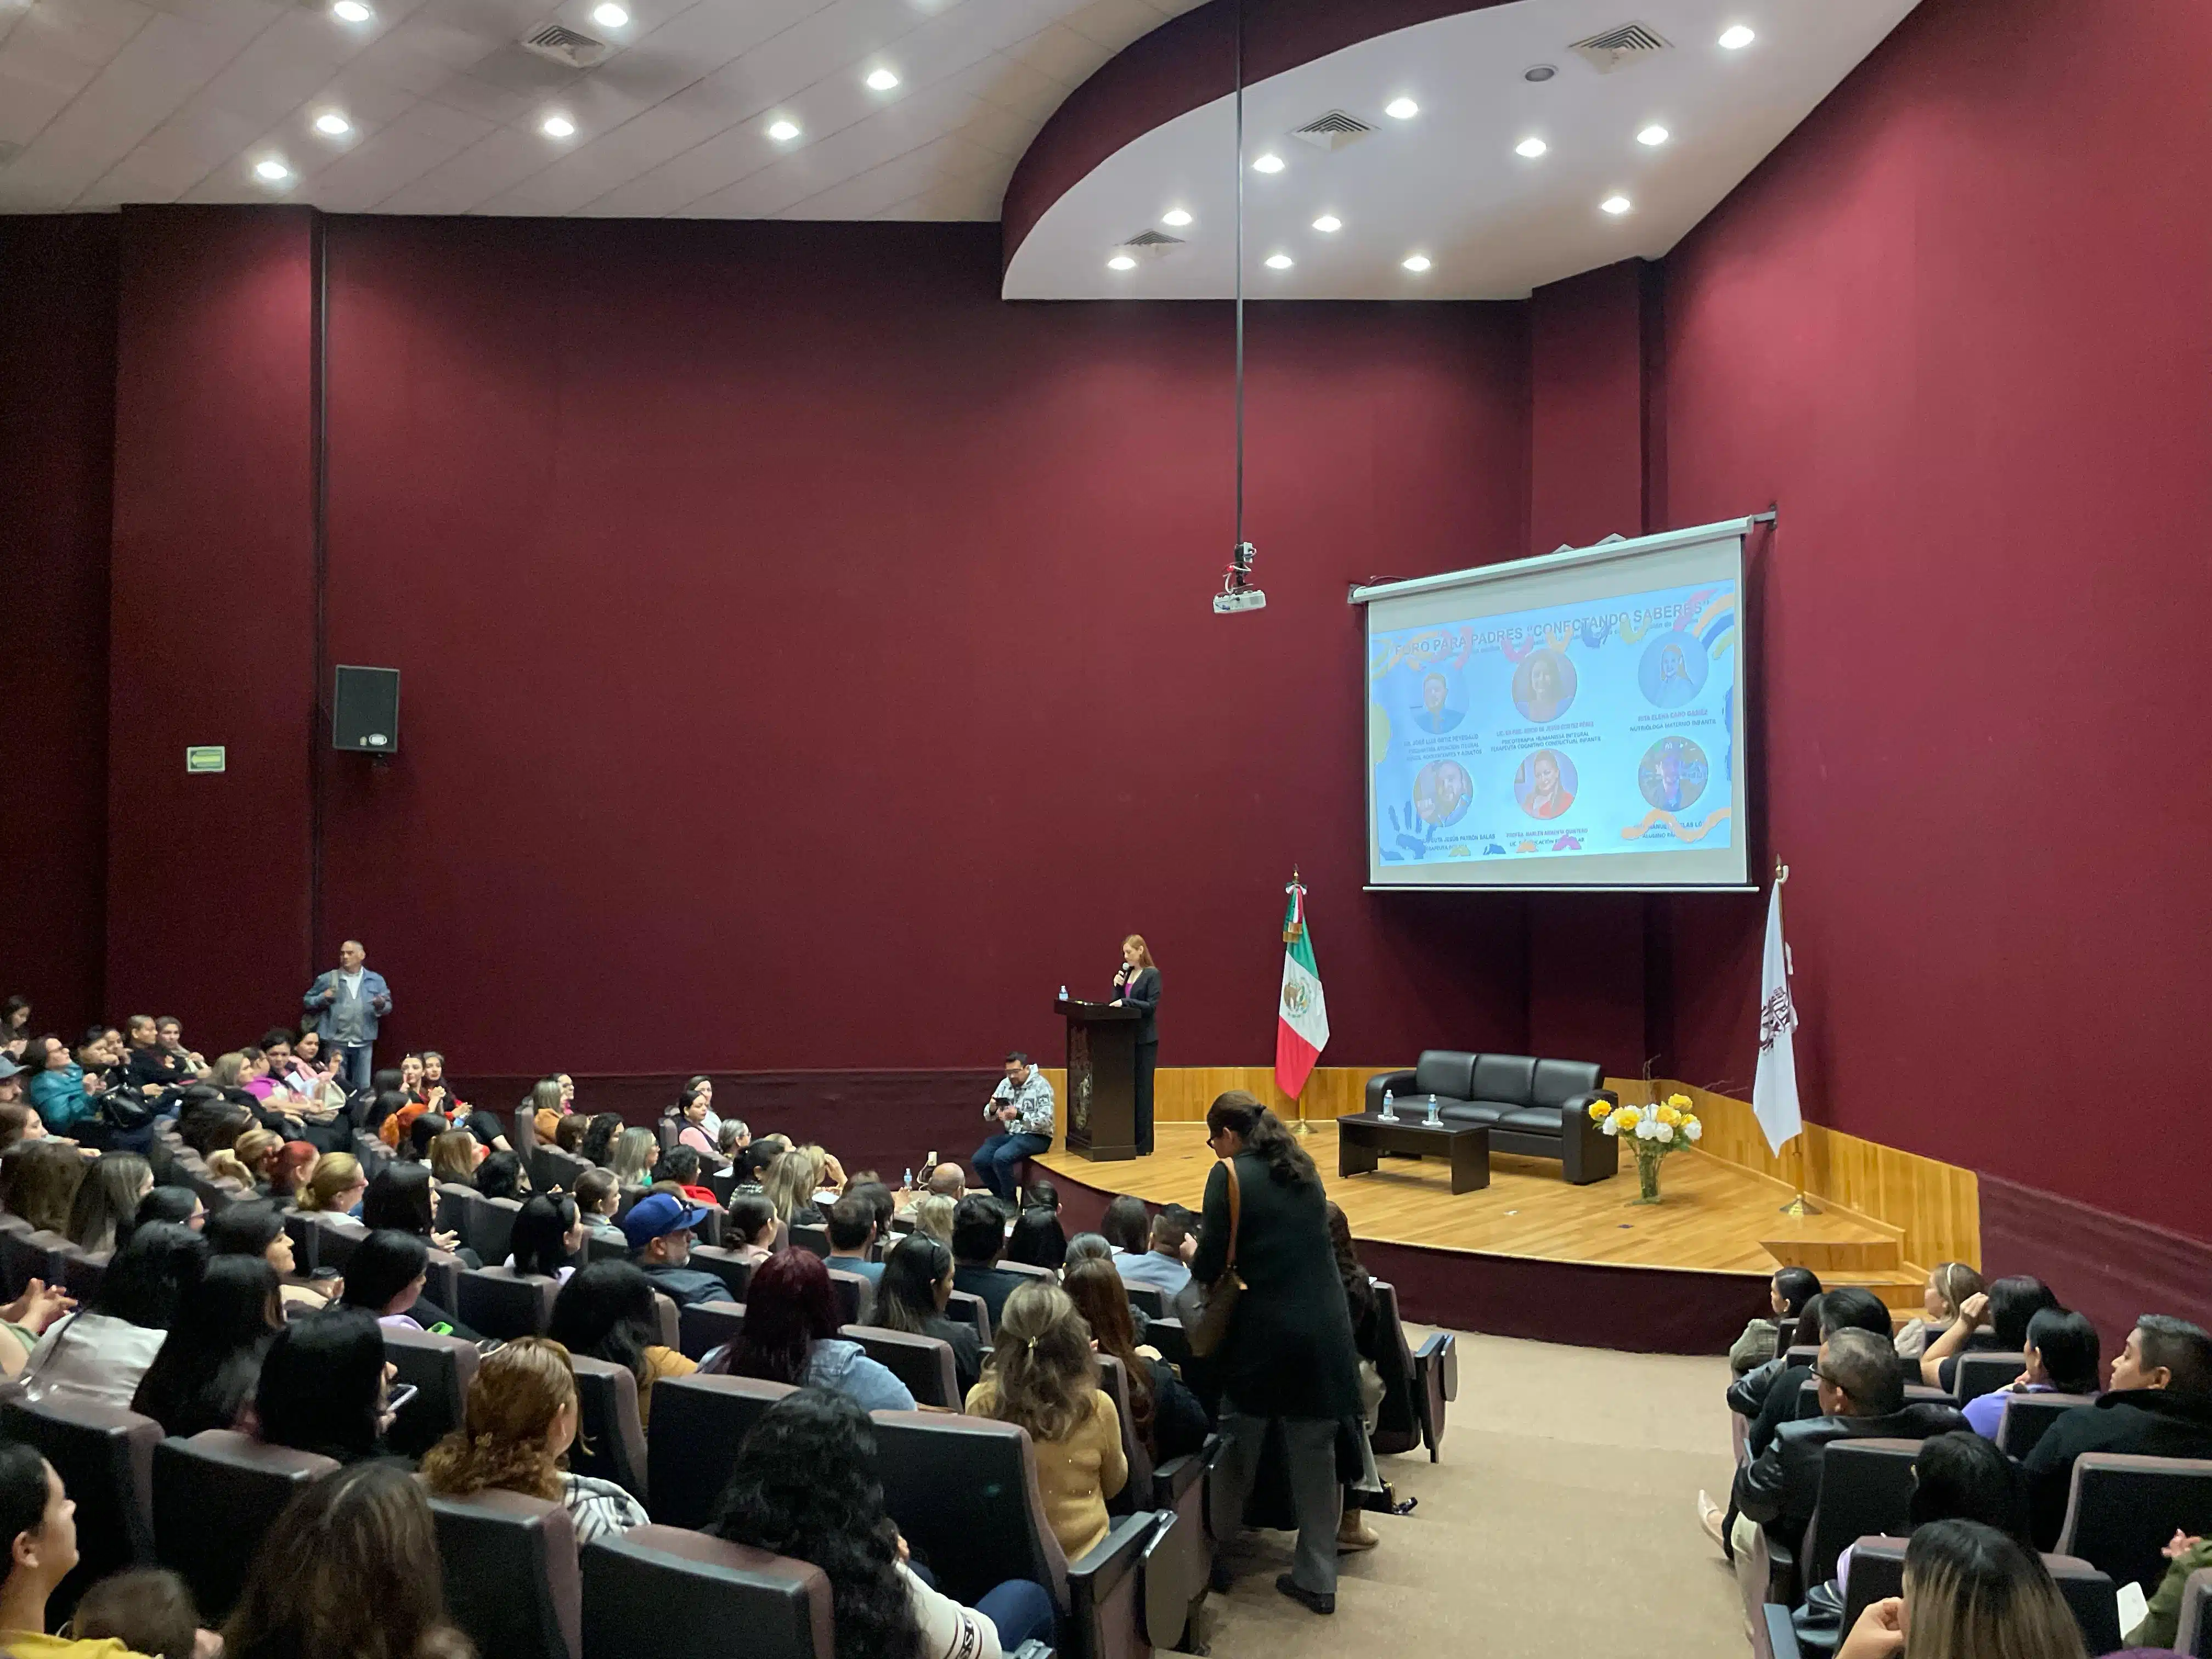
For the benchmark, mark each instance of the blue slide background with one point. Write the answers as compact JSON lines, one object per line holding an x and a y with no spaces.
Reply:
{"x":1639,"y":692}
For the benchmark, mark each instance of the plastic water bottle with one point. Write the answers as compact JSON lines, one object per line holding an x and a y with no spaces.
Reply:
{"x":1063,"y":993}
{"x":908,"y":1184}
{"x":1433,"y":1116}
{"x":1389,"y":1110}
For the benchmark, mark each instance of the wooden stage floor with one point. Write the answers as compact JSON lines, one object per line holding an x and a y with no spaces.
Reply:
{"x":1713,"y":1218}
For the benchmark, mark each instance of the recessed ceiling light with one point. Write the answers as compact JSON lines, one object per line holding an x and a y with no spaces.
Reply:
{"x":1416,"y":263}
{"x":1279,"y":262}
{"x":351,"y":11}
{"x":1737,"y":37}
{"x":1401,"y":109}
{"x":1653,"y":133}
{"x":1531,"y":148}
{"x":610,"y":15}
{"x":1270,"y":162}
{"x":1328,"y":224}
{"x":882,"y":79}
{"x":783,"y":131}
{"x":1120,"y":262}
{"x":1616,"y":205}
{"x":558,"y":127}
{"x":1175,"y":218}
{"x":272,"y":170}
{"x":1538,"y":72}
{"x":334,"y":124}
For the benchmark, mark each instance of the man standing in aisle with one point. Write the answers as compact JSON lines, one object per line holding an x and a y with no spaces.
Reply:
{"x":1021,"y":1109}
{"x":350,"y":1000}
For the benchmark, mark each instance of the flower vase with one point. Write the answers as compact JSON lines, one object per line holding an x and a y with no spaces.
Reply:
{"x":1647,"y":1173}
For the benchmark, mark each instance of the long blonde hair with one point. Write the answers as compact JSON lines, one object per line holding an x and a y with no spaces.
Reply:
{"x":453,"y":1157}
{"x":791,"y":1181}
{"x":334,"y":1173}
{"x":932,"y":1214}
{"x":632,"y":1155}
{"x":1971,"y":1591}
{"x":517,"y":1392}
{"x":255,"y":1148}
{"x":1954,"y":1282}
{"x":1041,"y":1369}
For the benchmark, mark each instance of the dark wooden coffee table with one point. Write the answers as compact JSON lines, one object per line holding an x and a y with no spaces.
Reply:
{"x":1363,"y":1137}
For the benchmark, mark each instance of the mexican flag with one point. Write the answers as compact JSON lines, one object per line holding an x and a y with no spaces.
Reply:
{"x":1302,"y":1017}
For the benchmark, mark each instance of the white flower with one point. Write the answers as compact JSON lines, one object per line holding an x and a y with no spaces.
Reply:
{"x":1609,"y":1127}
{"x":1694,"y":1131}
{"x":1664,"y":1132}
{"x":1647,"y":1130}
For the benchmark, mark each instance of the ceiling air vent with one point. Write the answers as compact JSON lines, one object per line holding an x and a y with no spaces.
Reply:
{"x":1619,"y":48}
{"x":1151,"y":245}
{"x":566,"y":46}
{"x":1332,"y":131}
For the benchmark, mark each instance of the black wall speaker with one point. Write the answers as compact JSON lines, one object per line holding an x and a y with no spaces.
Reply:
{"x":365,"y":710}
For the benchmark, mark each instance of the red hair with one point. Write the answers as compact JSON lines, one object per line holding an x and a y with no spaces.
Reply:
{"x":789,"y":1307}
{"x":1144,"y":951}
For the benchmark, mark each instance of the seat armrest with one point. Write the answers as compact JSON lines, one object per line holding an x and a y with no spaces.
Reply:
{"x":1781,"y":1633}
{"x":1587,"y":1154}
{"x":1172,"y":1479}
{"x":1110,"y":1560}
{"x":1781,"y":1572}
{"x":1400,"y":1084}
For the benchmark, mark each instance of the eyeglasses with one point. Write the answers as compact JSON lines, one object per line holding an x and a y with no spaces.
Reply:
{"x":1832,"y":1381}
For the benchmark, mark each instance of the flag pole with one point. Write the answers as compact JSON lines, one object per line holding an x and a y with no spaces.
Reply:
{"x":1796,"y":1207}
{"x":1291,"y":933}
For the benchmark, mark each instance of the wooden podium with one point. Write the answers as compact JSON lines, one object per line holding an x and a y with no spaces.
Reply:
{"x":1101,"y":1080}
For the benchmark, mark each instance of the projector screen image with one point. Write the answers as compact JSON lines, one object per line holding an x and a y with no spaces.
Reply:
{"x":1573,"y":720}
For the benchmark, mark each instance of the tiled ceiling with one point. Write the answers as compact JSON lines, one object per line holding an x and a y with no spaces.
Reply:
{"x":104,"y":102}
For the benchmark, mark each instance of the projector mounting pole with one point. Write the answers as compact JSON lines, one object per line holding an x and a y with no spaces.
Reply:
{"x":1240,"y":271}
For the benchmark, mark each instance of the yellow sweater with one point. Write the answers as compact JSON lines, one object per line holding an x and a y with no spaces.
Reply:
{"x":1075,"y":1475}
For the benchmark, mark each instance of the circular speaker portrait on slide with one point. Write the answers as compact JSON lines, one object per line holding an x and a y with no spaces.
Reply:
{"x":1544,"y":784}
{"x":1435,"y":712}
{"x":1442,"y":792}
{"x":1544,"y":686}
{"x":1672,"y":774}
{"x":1673,"y":670}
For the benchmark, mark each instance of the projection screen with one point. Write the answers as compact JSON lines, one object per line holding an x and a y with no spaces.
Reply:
{"x":1572,"y":721}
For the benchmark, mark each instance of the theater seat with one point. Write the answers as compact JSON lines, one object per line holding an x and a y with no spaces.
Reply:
{"x":551,"y":1169}
{"x":661,"y":1592}
{"x":815,"y":1239}
{"x":2196,"y":1635}
{"x":924,"y":1364}
{"x":973,"y":1309}
{"x":512,"y":1582}
{"x":698,"y":1423}
{"x":703,"y":1327}
{"x":105,"y":1456}
{"x":611,"y":1441}
{"x":1878,"y":1573}
{"x":1866,"y":1487}
{"x":441,"y":1369}
{"x":1418,"y":1388}
{"x":1148,"y":1300}
{"x":26,"y":1253}
{"x":855,"y":1297}
{"x":333,"y":1241}
{"x":500,"y":1302}
{"x":83,"y":1272}
{"x":2121,"y":1509}
{"x":215,"y":1495}
{"x":1977,"y":1374}
{"x":725,"y":1264}
{"x":1915,"y":1393}
{"x":2029,"y":1417}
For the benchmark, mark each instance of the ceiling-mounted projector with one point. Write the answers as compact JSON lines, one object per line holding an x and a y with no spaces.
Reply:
{"x":1237,"y":593}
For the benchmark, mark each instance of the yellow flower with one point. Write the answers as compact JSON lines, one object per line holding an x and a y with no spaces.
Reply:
{"x":1665,"y":1115}
{"x":1680,"y":1102}
{"x":1599,"y":1111}
{"x":1627,"y":1117}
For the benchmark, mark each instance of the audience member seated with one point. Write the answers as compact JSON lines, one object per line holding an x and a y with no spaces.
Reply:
{"x":1088,"y":1247}
{"x":293,"y":1163}
{"x":257,"y":1229}
{"x":599,"y":1133}
{"x":501,"y":1175}
{"x":179,"y":1204}
{"x":757,"y":1159}
{"x":1376,"y":1347}
{"x":148,"y":1061}
{"x":148,"y":1610}
{"x":852,"y":1230}
{"x":661,"y":1228}
{"x":790,"y":1335}
{"x":933,"y":1213}
{"x":2062,"y":1355}
{"x":790,"y":1186}
{"x":1786,"y":1294}
{"x":323,"y":1386}
{"x":548,"y":1235}
{"x":597,"y":1198}
{"x":516,"y":1429}
{"x":749,"y":1227}
{"x":2162,"y":1621}
{"x":334,"y":1187}
{"x":2159,"y":1406}
{"x":101,"y":1351}
{"x":803,"y":1487}
{"x":1970,"y":1593}
{"x":207,"y":1369}
{"x":1127,"y":1225}
{"x":1165,"y":1417}
{"x":18,"y":1123}
{"x":454,"y":1156}
{"x":730,"y":1141}
{"x":978,"y":1238}
{"x":1846,"y":1308}
{"x":39,"y":1522}
{"x":547,"y":1111}
{"x":1038,"y":1240}
{"x":66,"y":1101}
{"x":1862,"y":1395}
{"x":39,"y":1182}
{"x":402,"y":1198}
{"x":606,"y":1311}
{"x":386,"y":1276}
{"x":1043,"y":1375}
{"x":632,"y":1155}
{"x":912,"y":1297}
{"x":692,"y":1113}
{"x":257,"y":1151}
{"x":568,"y":1132}
{"x":25,"y":1320}
{"x":107,"y":1199}
{"x":1164,"y":1263}
{"x":350,"y":1570}
{"x":1993,"y":1321}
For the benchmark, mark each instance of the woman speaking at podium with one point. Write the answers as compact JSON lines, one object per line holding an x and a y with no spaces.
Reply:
{"x":1137,"y":985}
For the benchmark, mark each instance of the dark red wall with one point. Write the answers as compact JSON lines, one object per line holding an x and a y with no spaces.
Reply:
{"x":57,"y":444}
{"x":1955,"y":326}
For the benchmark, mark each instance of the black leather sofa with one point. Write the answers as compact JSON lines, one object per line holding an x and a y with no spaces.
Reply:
{"x":1538,"y":1108}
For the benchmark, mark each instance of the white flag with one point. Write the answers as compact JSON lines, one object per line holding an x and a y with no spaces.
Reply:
{"x":1774,"y":1091}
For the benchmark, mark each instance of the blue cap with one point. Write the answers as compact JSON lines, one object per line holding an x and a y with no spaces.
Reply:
{"x":658,"y":1215}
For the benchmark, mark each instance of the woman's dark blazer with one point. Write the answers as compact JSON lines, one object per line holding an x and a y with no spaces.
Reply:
{"x":1143,"y":993}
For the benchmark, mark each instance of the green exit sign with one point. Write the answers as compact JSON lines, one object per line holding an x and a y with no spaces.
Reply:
{"x":207,"y":758}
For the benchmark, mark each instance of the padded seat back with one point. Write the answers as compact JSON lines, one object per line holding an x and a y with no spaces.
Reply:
{"x":2196,"y":1634}
{"x":964,"y":1490}
{"x":1915,"y":1393}
{"x":512,"y":1583}
{"x":1173,"y":1341}
{"x":924,"y":1364}
{"x":2027,"y":1416}
{"x":105,"y":1456}
{"x":441,"y":1369}
{"x":725,"y":1264}
{"x":1556,"y":1082}
{"x":2122,"y":1509}
{"x":975,"y":1310}
{"x":1114,"y":1378}
{"x":1398,"y":1417}
{"x":493,"y":1237}
{"x":1866,"y":1487}
{"x":215,"y":1495}
{"x":1510,"y":1079}
{"x":854,"y":1296}
{"x":1148,"y":1300}
{"x":660,"y":1592}
{"x":552,"y":1168}
{"x":500,"y":1302}
{"x":815,"y":1239}
{"x":710,"y":1226}
{"x":600,"y":1247}
{"x":698,"y":1423}
{"x":611,"y":1439}
{"x":300,"y":1228}
{"x":456,"y":1204}
{"x":2088,"y":1594}
{"x":28,"y":1255}
{"x":703,"y":1327}
{"x":1444,"y":1072}
{"x":1978,"y":1374}
{"x":332,"y":1244}
{"x":83,"y":1272}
